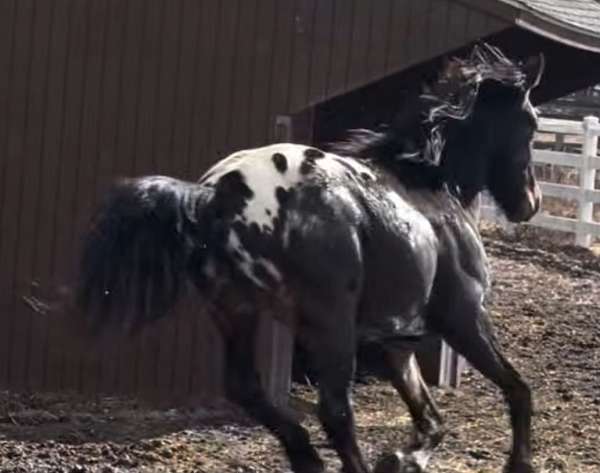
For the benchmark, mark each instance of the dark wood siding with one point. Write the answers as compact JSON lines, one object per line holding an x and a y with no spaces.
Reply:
{"x":94,"y":89}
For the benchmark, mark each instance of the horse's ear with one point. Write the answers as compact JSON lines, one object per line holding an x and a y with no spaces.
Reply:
{"x":533,"y":69}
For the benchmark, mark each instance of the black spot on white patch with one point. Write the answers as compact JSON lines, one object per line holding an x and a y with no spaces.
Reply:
{"x":282,"y":195}
{"x":234,"y":182}
{"x":280,"y":162}
{"x":307,"y":166}
{"x":313,"y":153}
{"x":232,"y":193}
{"x":309,"y":162}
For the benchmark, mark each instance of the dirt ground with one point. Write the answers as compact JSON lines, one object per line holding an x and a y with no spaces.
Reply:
{"x":546,"y":305}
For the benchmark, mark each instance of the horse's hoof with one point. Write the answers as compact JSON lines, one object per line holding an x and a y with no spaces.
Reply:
{"x":397,"y":463}
{"x":519,"y":467}
{"x":309,"y":465}
{"x":309,"y":468}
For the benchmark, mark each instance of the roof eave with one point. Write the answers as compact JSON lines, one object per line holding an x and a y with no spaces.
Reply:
{"x":558,"y":32}
{"x":538,"y":23}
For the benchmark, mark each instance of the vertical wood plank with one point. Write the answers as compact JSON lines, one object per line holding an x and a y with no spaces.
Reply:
{"x":211,"y":383}
{"x":116,"y":23}
{"x":378,"y":41}
{"x":203,"y":97}
{"x":159,"y":342}
{"x":476,"y":27}
{"x":493,"y":24}
{"x":183,"y":349}
{"x":400,"y":35}
{"x":342,"y":37}
{"x":187,"y":78}
{"x":419,"y":42}
{"x":13,"y":180}
{"x":163,"y":368}
{"x":130,"y":89}
{"x":305,"y":18}
{"x":438,"y":23}
{"x":28,"y":281}
{"x":88,"y":155}
{"x":125,"y":164}
{"x":587,"y":179}
{"x":258,"y":116}
{"x":49,"y":196}
{"x":198,"y":159}
{"x":68,"y":189}
{"x":148,"y":87}
{"x":227,"y":58}
{"x":139,"y":373}
{"x":163,"y":161}
{"x":237,"y":129}
{"x":280,"y":66}
{"x":196,"y":376}
{"x":322,"y":50}
{"x":8,"y":12}
{"x":457,"y":25}
{"x":110,"y":106}
{"x":359,"y":44}
{"x":186,"y":37}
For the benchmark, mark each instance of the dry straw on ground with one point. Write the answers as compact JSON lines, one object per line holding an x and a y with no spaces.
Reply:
{"x":546,"y":305}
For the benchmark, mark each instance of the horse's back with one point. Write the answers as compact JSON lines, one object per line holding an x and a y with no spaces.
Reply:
{"x":270,"y":197}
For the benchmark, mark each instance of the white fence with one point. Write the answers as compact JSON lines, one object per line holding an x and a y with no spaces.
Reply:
{"x":587,"y":162}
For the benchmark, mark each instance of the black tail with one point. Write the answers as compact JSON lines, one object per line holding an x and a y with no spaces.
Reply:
{"x":137,"y":256}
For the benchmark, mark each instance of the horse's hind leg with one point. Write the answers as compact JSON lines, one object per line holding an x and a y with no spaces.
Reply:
{"x":244,"y":388}
{"x":471,"y":334}
{"x":334,"y":362}
{"x":428,"y":424}
{"x":330,"y":341}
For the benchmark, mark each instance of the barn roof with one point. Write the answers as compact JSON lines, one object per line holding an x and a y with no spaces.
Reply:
{"x":572,"y":22}
{"x":579,"y":14}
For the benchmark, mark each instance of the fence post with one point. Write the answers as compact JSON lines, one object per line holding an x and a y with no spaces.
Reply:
{"x":587,"y":178}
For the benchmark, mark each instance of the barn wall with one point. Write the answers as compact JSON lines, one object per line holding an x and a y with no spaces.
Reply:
{"x":93,"y":89}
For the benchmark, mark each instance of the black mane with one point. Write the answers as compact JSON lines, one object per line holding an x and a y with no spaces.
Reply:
{"x":418,"y":133}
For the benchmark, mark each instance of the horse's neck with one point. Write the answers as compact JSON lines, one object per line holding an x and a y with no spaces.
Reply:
{"x":464,"y":163}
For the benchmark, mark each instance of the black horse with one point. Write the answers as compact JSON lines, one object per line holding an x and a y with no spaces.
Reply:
{"x":374,"y":242}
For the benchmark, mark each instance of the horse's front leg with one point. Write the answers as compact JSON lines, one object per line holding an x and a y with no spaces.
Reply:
{"x":470,"y":333}
{"x":428,"y":424}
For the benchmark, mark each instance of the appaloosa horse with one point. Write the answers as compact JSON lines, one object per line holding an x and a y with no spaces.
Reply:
{"x":374,"y":241}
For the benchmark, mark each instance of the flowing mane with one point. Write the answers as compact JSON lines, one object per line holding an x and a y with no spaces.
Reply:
{"x":419,"y":131}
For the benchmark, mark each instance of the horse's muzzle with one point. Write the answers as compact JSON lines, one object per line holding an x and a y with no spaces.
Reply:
{"x":530,"y":205}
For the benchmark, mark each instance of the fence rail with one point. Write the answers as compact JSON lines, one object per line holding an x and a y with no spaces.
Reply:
{"x":587,"y":162}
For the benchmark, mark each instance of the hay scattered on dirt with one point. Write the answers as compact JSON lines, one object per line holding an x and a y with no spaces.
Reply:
{"x":546,"y":305}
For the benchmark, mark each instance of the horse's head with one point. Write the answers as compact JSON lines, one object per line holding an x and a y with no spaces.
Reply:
{"x":489,"y":144}
{"x":511,"y":121}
